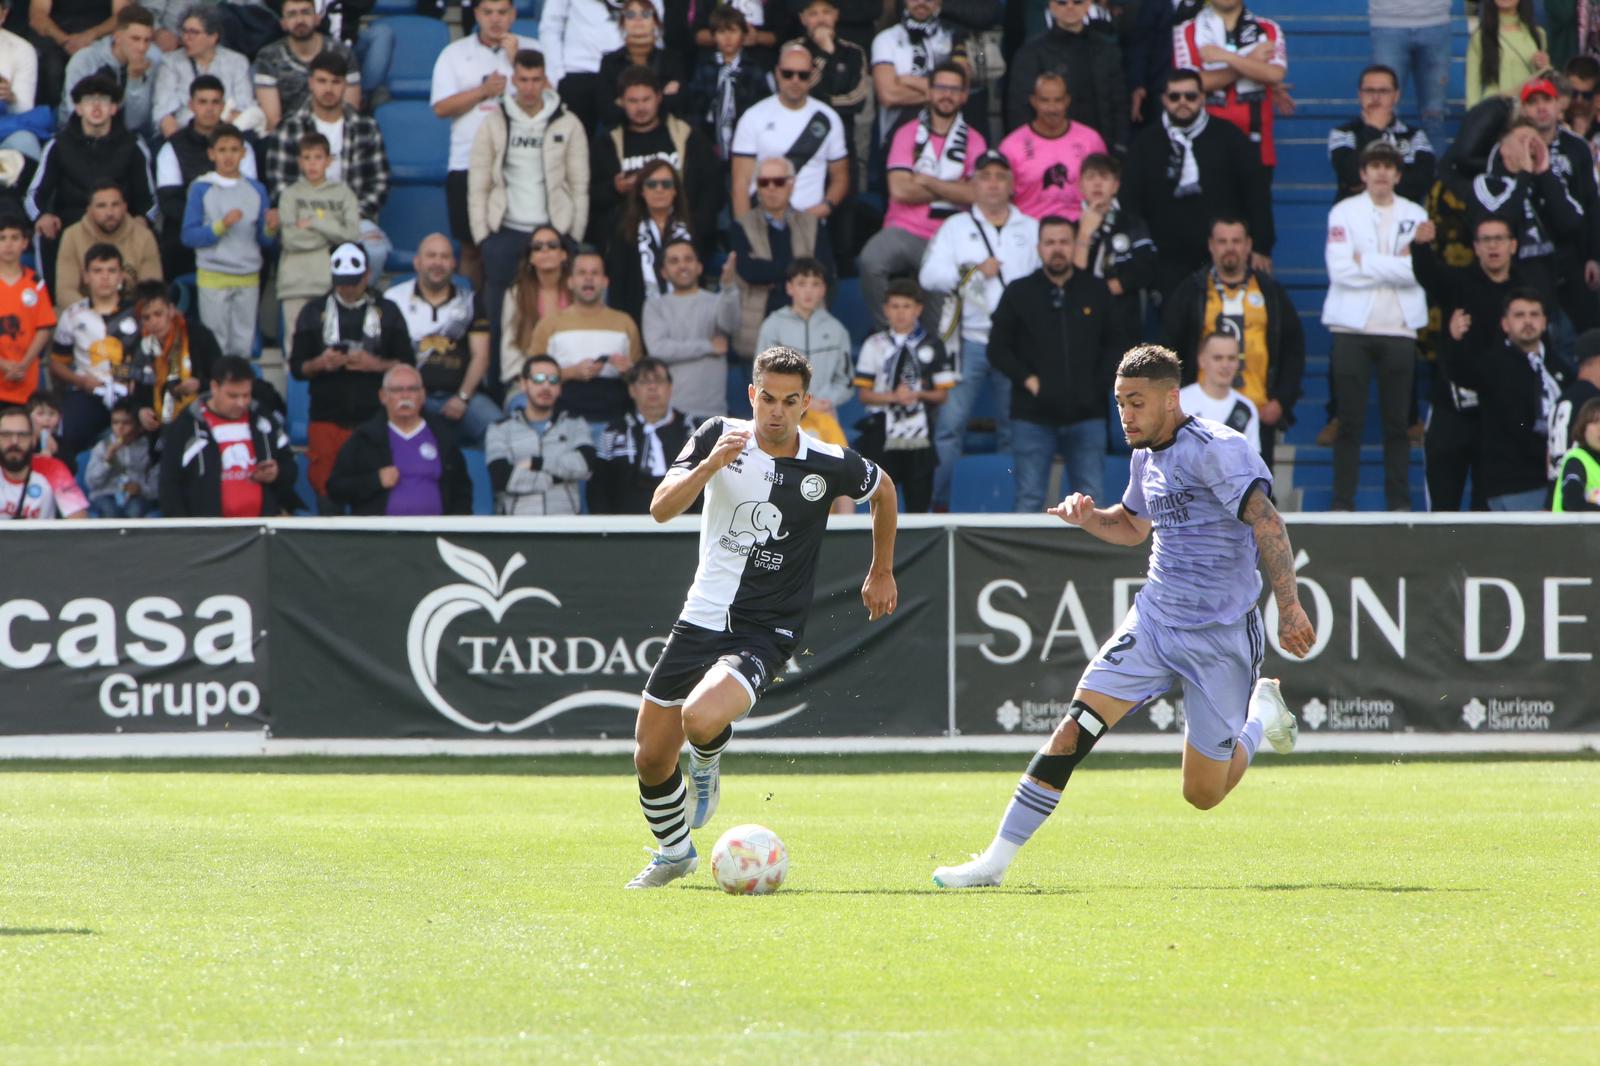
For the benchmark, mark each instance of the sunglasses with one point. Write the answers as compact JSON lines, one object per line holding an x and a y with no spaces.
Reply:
{"x":543,"y":379}
{"x":787,"y":74}
{"x":1583,"y":94}
{"x":771,"y":183}
{"x":545,"y":246}
{"x":661,"y":183}
{"x":1191,"y":96}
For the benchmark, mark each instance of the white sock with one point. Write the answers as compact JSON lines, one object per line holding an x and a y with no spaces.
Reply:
{"x":999,"y":853}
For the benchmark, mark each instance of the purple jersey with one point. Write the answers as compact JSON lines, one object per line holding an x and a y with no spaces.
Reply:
{"x":1203,"y":563}
{"x":417,"y":459}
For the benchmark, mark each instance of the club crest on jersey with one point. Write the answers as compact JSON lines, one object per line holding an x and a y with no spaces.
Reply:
{"x":754,"y":522}
{"x":813,"y":488}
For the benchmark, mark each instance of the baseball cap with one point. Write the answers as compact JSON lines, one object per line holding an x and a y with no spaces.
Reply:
{"x":1539,"y":85}
{"x":348,"y":264}
{"x":991,"y":158}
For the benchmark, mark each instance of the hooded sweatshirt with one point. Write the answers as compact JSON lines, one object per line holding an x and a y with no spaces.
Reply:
{"x":233,"y":252}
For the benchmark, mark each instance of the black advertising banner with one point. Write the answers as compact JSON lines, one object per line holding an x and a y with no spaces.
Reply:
{"x":140,"y":629}
{"x":1428,"y":627}
{"x":552,"y":635}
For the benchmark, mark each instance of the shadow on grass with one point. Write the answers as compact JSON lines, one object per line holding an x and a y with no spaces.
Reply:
{"x":27,"y":931}
{"x":738,"y":764}
{"x":931,"y":890}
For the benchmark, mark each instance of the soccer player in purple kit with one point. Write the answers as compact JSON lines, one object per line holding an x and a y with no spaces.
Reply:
{"x":1206,"y":493}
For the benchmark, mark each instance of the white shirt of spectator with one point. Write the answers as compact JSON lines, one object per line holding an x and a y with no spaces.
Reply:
{"x":334,"y":131}
{"x":960,"y":243}
{"x":526,"y":204}
{"x":893,"y":47}
{"x":1235,"y":410}
{"x":464,"y":65}
{"x":169,"y":173}
{"x":768,"y":129}
{"x":569,"y":347}
{"x":578,"y":33}
{"x":428,"y":324}
{"x":19,"y":65}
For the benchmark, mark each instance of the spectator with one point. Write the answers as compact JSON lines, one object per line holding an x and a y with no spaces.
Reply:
{"x":1053,"y":334}
{"x":121,"y":478}
{"x":358,"y":156}
{"x":203,"y":54}
{"x":1506,"y":50}
{"x":1380,"y":92}
{"x":761,"y":38}
{"x":1047,"y":154}
{"x":930,"y":179}
{"x":1565,"y":431}
{"x":1413,"y":37}
{"x":341,"y":345}
{"x":181,"y":161}
{"x":19,"y":91}
{"x":1583,"y":74}
{"x":1374,"y":308}
{"x":282,"y":68}
{"x":728,"y":80}
{"x":315,"y":216}
{"x":130,"y":57}
{"x":227,"y":456}
{"x":972,"y":259}
{"x":805,"y":325}
{"x":1113,"y":244}
{"x":902,"y":372}
{"x":106,"y":222}
{"x":764,"y":242}
{"x":1088,"y":57}
{"x":469,"y":78}
{"x":94,"y":147}
{"x":179,"y":352}
{"x":92,"y":359}
{"x":1187,"y":170}
{"x":592,"y":344}
{"x":1241,"y":58}
{"x":1571,"y":162}
{"x":25,"y":303}
{"x":1453,"y":440}
{"x":793,"y":125}
{"x":1519,"y":388}
{"x":1149,"y":51}
{"x":44,"y":411}
{"x":904,"y":57}
{"x":641,"y":30}
{"x":838,"y":72}
{"x":1231,"y":297}
{"x":577,"y":34}
{"x":655,"y":214}
{"x":542,"y":288}
{"x":450,"y":333}
{"x":229,"y":222}
{"x":623,"y":154}
{"x":61,"y":29}
{"x":681,"y":331}
{"x":1578,"y":481}
{"x":529,"y":165}
{"x":539,"y":458}
{"x":1212,"y":395}
{"x":33,"y":486}
{"x":637,"y":448}
{"x":402,"y":461}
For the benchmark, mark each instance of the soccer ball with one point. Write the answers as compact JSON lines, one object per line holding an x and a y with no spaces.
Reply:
{"x":749,"y":860}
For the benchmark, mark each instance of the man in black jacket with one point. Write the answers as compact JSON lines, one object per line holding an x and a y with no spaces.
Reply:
{"x":1230,"y":297}
{"x":1379,"y":93}
{"x":1088,"y":56}
{"x":185,"y":157}
{"x":1519,"y":387}
{"x":225,"y":456}
{"x":1056,"y":337}
{"x":637,"y":448}
{"x":402,"y":461}
{"x":1187,"y":169}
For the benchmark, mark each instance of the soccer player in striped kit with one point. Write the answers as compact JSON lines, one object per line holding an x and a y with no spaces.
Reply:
{"x":1206,"y":493}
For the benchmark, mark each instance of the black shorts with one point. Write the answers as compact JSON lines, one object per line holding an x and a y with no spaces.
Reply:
{"x":754,"y":657}
{"x":455,"y":199}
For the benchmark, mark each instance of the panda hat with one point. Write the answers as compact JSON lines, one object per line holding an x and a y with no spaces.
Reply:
{"x":348,"y":264}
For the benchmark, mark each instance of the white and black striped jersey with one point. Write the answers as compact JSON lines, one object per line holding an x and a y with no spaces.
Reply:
{"x":761,"y":527}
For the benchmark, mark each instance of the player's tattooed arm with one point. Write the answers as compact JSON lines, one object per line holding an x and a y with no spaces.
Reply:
{"x":1295,"y":634}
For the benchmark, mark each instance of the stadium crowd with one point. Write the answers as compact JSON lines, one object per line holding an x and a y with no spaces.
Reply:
{"x":643,"y":194}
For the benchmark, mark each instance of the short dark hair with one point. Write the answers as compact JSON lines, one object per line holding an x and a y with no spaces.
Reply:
{"x":207,"y":82}
{"x":1379,"y":68}
{"x":542,"y":357}
{"x":1100,"y":163}
{"x":44,"y":398}
{"x":727,"y":17}
{"x":329,"y":63}
{"x":528,"y":59}
{"x":1381,"y":153}
{"x":1524,"y":295}
{"x":1216,"y":335}
{"x":101,"y":253}
{"x":150,"y":290}
{"x":1498,"y":220}
{"x":588,"y":249}
{"x":230,"y":368}
{"x":904,"y":287}
{"x":133,"y":15}
{"x":1051,"y":75}
{"x":648,"y":365}
{"x":313,"y":140}
{"x":1151,"y":361}
{"x":950,"y":66}
{"x":780,"y":359}
{"x":107,"y":183}
{"x":671,"y":242}
{"x":125,"y":406}
{"x":12,"y":410}
{"x":634,"y":76}
{"x":1587,"y":415}
{"x":1183,"y":74}
{"x":97,"y":84}
{"x":1585,"y":67}
{"x":1227,"y":220}
{"x":806,"y":266}
{"x":17,"y":221}
{"x":226,"y":131}
{"x":1056,"y":220}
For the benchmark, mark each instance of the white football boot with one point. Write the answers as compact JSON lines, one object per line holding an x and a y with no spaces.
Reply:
{"x":981,"y":872}
{"x":1279,"y":726}
{"x":664,"y":871}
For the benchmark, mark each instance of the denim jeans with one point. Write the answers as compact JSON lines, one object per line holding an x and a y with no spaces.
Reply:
{"x":481,"y":413}
{"x":1424,"y":51}
{"x":1527,"y":500}
{"x":950,"y":430}
{"x":24,"y":142}
{"x":375,"y":55}
{"x":1081,"y":444}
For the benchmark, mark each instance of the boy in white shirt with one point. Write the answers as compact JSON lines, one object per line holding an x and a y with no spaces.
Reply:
{"x":1213,"y":395}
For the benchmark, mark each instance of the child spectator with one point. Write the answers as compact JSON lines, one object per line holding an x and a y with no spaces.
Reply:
{"x":681,"y":330}
{"x":93,"y":358}
{"x":25,"y":302}
{"x":228,"y":221}
{"x":1114,"y":244}
{"x":315,"y":216}
{"x":179,"y":352}
{"x":121,"y":478}
{"x":806,"y":326}
{"x":1578,"y":478}
{"x":44,"y":411}
{"x":727,"y":81}
{"x":1213,"y":395}
{"x":900,"y":373}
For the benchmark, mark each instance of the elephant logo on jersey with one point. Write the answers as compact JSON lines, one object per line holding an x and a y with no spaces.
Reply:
{"x":757,"y":520}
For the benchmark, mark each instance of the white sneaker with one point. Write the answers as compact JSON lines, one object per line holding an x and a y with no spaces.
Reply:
{"x":1278,"y":725}
{"x":664,"y":871}
{"x":979,"y":873}
{"x":707,"y":791}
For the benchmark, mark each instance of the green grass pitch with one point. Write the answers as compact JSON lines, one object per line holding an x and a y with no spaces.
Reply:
{"x":467,"y":911}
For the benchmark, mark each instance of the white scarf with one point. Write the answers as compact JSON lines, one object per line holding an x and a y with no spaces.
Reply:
{"x":918,"y":33}
{"x":725,"y":111}
{"x":1183,"y":139}
{"x":371,"y":322}
{"x":651,"y":241}
{"x":949,"y":165}
{"x":1550,"y":390}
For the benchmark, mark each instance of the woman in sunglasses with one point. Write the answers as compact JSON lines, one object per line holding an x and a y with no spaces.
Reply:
{"x":539,"y":291}
{"x":655,"y":212}
{"x":641,"y":47}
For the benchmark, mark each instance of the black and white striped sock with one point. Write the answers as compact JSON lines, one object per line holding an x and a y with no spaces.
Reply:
{"x":707,"y":754}
{"x":666,"y":809}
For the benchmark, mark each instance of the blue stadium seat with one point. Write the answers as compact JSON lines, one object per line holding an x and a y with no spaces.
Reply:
{"x":410,"y":214}
{"x":394,"y":7}
{"x":416,"y":140}
{"x":850,"y":309}
{"x":297,"y":398}
{"x":478,"y":470}
{"x":302,"y":486}
{"x":529,"y":11}
{"x":983,"y":484}
{"x":526,"y":27}
{"x":418,"y":42}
